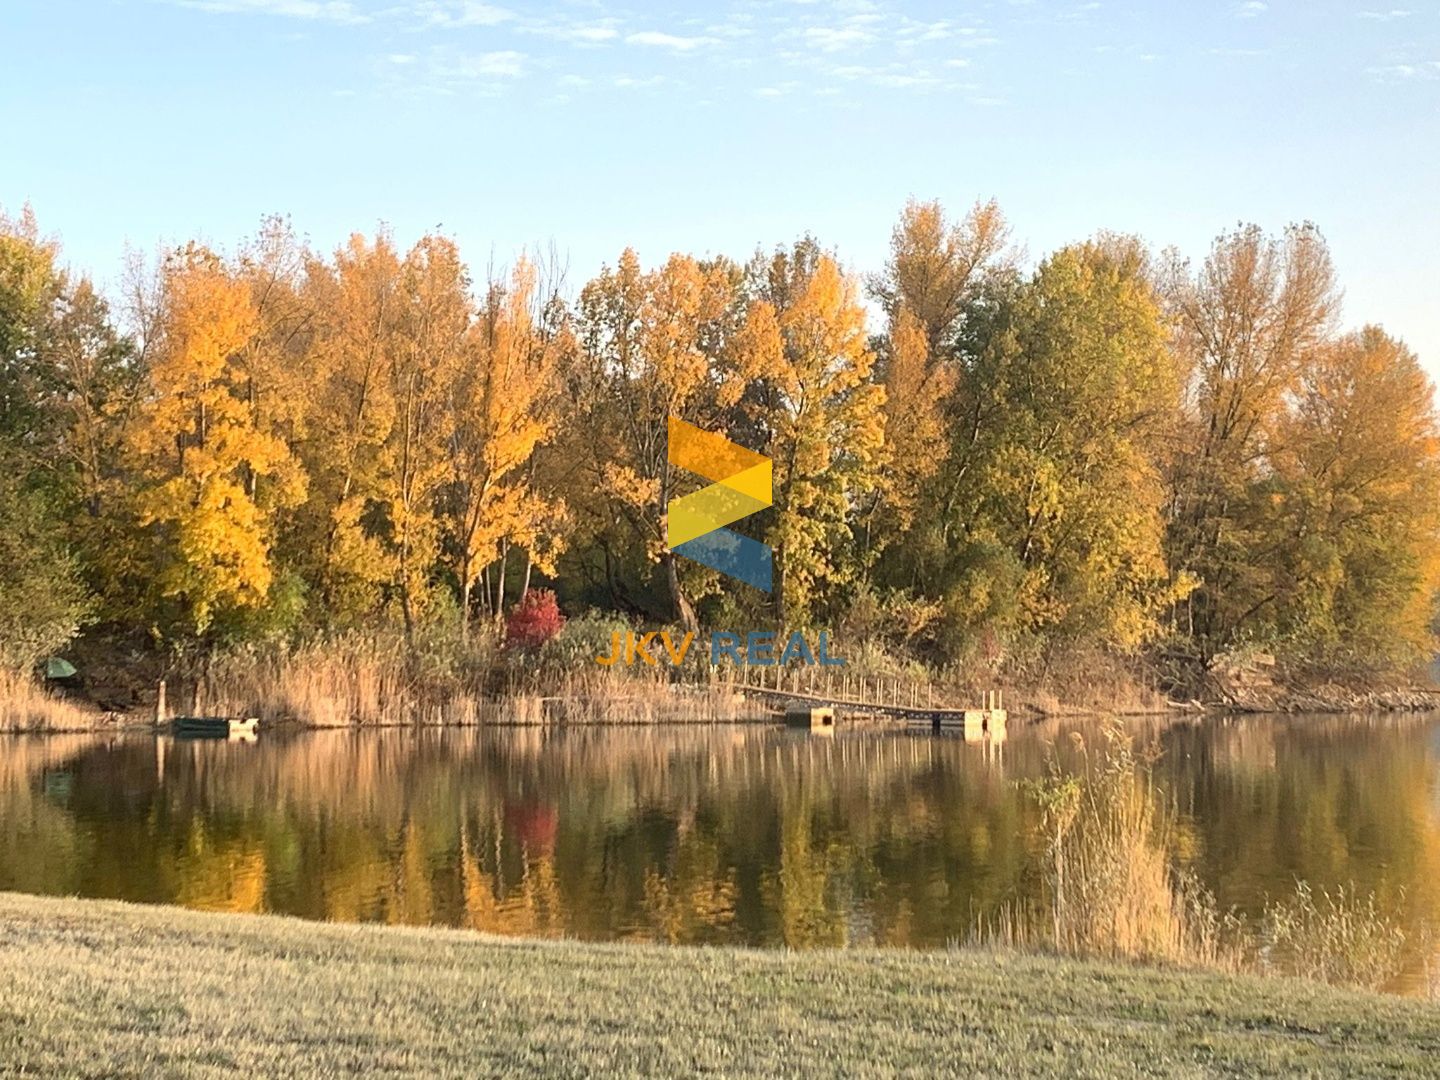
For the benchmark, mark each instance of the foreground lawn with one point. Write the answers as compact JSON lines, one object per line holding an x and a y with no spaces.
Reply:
{"x":95,"y":988}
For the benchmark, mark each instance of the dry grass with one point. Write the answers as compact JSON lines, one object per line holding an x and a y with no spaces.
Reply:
{"x":1113,"y":891}
{"x":25,"y":705}
{"x":106,"y":989}
{"x":1338,"y":937}
{"x":340,"y":682}
{"x":1110,"y":887}
{"x":365,"y":680}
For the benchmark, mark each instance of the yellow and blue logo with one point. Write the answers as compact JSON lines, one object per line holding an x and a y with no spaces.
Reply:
{"x":742,"y":483}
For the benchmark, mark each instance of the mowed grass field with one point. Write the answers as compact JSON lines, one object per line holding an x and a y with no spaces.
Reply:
{"x":91,"y":988}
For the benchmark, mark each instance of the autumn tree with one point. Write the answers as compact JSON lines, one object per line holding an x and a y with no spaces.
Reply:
{"x":196,"y":447}
{"x":811,"y":402}
{"x":936,"y":267}
{"x":388,"y":347}
{"x":415,"y":461}
{"x":350,"y":412}
{"x":1056,"y":521}
{"x":52,"y":330}
{"x":31,"y":287}
{"x":1354,"y":507}
{"x":935,"y":280}
{"x":68,"y":379}
{"x":649,"y":344}
{"x":502,"y":397}
{"x":1244,"y":322}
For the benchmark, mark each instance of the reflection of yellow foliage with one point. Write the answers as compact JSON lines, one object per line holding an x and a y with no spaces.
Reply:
{"x":678,"y":911}
{"x":799,"y":890}
{"x":223,"y":877}
{"x":534,"y":907}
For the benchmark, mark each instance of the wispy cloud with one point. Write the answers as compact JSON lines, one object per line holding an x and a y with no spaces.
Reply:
{"x":657,"y":39}
{"x":337,"y":11}
{"x":792,"y":47}
{"x":835,"y":38}
{"x":637,"y":82}
{"x":502,"y":64}
{"x":460,"y":13}
{"x":1426,"y":69}
{"x":586,"y":32}
{"x":1385,"y":16}
{"x":445,"y":70}
{"x":1251,"y":9}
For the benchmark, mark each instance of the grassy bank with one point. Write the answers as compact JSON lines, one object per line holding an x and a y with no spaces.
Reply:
{"x":105,"y":988}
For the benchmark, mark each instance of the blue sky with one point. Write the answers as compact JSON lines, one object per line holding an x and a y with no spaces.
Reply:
{"x":714,"y":127}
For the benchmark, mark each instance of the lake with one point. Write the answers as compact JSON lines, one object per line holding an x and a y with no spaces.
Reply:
{"x":749,"y":834}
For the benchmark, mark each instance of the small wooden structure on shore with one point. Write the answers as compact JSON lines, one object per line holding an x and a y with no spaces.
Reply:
{"x":213,"y":727}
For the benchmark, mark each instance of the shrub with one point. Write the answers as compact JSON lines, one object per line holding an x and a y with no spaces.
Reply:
{"x":535,"y":620}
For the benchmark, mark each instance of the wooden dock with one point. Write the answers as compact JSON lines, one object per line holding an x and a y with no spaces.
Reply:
{"x":987,"y":722}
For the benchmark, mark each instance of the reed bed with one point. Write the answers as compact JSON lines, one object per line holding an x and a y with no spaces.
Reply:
{"x":25,"y":705}
{"x":1110,"y":888}
{"x":1113,"y":891}
{"x":373,"y":681}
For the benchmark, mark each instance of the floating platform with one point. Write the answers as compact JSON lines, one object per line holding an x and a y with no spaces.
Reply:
{"x":987,"y":722}
{"x":819,"y":719}
{"x":213,"y":727}
{"x":977,"y":724}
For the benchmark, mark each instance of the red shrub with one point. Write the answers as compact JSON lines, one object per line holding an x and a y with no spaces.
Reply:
{"x":535,"y":620}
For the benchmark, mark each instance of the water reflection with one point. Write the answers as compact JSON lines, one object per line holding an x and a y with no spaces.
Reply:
{"x":745,"y":835}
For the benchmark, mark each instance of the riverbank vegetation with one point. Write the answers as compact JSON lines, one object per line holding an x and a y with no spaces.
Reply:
{"x":1114,"y":459}
{"x":139,"y":990}
{"x":1113,"y":888}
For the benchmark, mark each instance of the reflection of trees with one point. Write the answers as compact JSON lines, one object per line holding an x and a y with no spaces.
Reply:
{"x":667,"y":834}
{"x":1330,"y":800}
{"x":679,"y":834}
{"x":36,"y":784}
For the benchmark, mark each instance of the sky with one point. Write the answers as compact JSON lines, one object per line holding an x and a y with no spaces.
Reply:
{"x":716,"y":127}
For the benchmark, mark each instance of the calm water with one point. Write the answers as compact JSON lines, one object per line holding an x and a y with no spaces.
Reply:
{"x":748,"y":834}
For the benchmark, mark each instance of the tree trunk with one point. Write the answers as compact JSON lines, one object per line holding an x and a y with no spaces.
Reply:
{"x":680,"y":609}
{"x":500,"y":582}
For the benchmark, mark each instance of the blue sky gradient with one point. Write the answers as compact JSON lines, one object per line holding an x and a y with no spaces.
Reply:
{"x":716,"y":127}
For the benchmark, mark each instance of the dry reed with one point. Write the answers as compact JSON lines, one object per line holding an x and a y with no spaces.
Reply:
{"x":25,"y":705}
{"x":1110,"y":889}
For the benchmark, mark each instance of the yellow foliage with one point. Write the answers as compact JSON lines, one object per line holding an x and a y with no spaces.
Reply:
{"x":198,"y":449}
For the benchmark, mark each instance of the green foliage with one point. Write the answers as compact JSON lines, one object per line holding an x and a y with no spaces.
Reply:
{"x":1054,"y":519}
{"x":43,"y":603}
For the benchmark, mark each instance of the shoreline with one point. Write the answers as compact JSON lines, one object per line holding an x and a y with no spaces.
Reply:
{"x":137,"y":989}
{"x":1383,"y":702}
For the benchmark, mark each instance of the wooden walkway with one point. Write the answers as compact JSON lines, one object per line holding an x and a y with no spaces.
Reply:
{"x":990,"y":720}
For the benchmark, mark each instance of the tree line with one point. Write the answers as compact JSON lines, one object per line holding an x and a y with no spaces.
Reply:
{"x":974,"y":459}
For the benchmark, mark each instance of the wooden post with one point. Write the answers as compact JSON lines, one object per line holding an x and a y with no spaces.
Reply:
{"x":160,"y":703}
